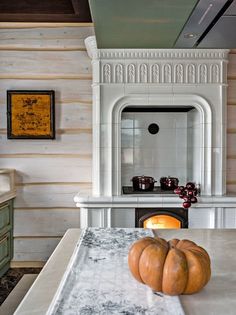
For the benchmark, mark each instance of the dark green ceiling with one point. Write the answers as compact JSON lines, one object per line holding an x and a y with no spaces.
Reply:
{"x":139,"y":23}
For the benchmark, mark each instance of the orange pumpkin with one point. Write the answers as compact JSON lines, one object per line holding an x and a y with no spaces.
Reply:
{"x":174,"y":267}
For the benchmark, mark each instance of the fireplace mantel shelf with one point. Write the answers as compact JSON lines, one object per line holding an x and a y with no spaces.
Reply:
{"x":133,"y":201}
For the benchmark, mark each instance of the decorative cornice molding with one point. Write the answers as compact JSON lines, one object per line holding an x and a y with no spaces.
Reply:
{"x":189,"y":54}
{"x":91,"y":46}
{"x":172,"y":72}
{"x":163,"y":54}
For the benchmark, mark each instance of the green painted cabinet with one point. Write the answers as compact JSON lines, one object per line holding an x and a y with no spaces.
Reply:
{"x":6,"y":235}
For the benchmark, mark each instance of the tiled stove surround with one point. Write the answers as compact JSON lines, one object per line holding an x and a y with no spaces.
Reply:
{"x":158,"y":77}
{"x":172,"y":151}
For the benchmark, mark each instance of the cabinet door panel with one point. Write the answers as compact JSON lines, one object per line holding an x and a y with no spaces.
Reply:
{"x":4,"y":216}
{"x":5,"y":252}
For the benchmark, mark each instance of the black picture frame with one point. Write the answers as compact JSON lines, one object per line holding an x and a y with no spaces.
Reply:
{"x":31,"y":114}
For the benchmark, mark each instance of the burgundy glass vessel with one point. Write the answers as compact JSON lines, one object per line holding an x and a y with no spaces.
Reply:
{"x":169,"y":183}
{"x":143,"y":183}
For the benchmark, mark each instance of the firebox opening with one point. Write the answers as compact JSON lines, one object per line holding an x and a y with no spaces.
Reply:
{"x":162,"y":221}
{"x":164,"y":218}
{"x":175,"y":150}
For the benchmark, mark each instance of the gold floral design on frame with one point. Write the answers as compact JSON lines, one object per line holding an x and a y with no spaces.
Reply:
{"x":30,"y":114}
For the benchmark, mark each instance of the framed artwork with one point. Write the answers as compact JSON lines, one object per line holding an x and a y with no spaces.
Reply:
{"x":30,"y":114}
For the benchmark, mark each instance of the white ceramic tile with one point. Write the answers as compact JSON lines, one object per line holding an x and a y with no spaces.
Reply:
{"x":127,"y":156}
{"x":200,"y":218}
{"x":164,"y":157}
{"x":155,"y":90}
{"x":127,"y":173}
{"x":181,"y":137}
{"x":218,"y":132}
{"x":143,"y":120}
{"x":190,"y":158}
{"x":127,"y":120}
{"x":181,"y":120}
{"x":193,"y":118}
{"x":127,"y":138}
{"x":123,"y":217}
{"x":140,"y":170}
{"x":144,"y":157}
{"x":218,"y":164}
{"x":164,"y":120}
{"x":164,"y":138}
{"x":105,"y":136}
{"x":139,"y":89}
{"x":105,"y":159}
{"x":109,"y":95}
{"x":181,"y":157}
{"x":218,"y":180}
{"x":209,"y":98}
{"x":197,"y":136}
{"x":189,"y":175}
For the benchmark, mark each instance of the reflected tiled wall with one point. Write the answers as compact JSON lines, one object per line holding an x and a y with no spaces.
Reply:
{"x":194,"y":131}
{"x":162,"y":154}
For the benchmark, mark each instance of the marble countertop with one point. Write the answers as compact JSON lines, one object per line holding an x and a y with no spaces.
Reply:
{"x":219,"y":295}
{"x":98,"y":279}
{"x":4,"y":196}
{"x":217,"y":298}
{"x":7,"y":184}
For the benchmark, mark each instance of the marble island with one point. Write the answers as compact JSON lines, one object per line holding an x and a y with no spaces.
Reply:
{"x":218,"y":297}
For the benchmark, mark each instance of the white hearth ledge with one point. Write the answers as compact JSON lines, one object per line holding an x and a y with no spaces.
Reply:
{"x":209,"y":212}
{"x":151,"y":201}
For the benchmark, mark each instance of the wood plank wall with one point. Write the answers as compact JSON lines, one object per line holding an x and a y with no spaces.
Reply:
{"x":231,"y":124}
{"x":49,"y":172}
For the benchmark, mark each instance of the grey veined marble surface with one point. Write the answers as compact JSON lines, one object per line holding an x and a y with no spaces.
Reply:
{"x":98,"y":280}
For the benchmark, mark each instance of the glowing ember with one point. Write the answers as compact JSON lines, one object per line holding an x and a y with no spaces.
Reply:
{"x":162,"y":222}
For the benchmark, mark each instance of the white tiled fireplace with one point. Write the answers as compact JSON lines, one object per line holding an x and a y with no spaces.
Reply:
{"x":153,"y":78}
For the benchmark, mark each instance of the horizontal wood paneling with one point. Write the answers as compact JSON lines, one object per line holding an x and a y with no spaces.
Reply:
{"x":232,"y":65}
{"x":46,"y":195}
{"x":44,"y":39}
{"x":66,"y":91}
{"x":48,"y":25}
{"x":231,"y":144}
{"x":231,"y":116}
{"x":67,"y":116}
{"x":231,"y":124}
{"x":231,"y":165}
{"x":44,"y":76}
{"x":78,"y":143}
{"x":231,"y":189}
{"x":50,"y":168}
{"x":74,"y":115}
{"x":231,"y":91}
{"x":34,"y":31}
{"x":34,"y":249}
{"x":49,"y":172}
{"x":44,"y":63}
{"x":49,"y":222}
{"x":48,"y":46}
